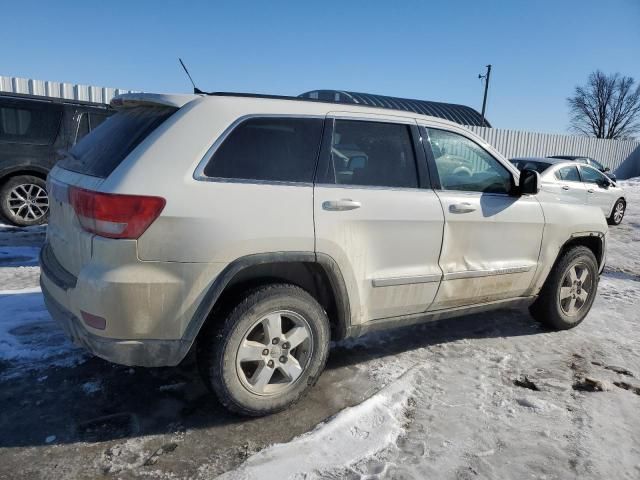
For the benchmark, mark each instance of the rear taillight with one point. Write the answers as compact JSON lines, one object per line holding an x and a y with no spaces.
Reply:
{"x":114,"y":215}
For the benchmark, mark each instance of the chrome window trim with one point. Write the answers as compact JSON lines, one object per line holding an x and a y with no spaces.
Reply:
{"x":395,"y":281}
{"x":199,"y":175}
{"x":486,"y":273}
{"x":372,"y":187}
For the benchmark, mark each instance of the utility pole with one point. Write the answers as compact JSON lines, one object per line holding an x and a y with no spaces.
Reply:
{"x":486,"y":77}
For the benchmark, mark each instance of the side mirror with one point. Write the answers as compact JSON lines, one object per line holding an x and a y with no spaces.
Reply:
{"x":529,"y":182}
{"x":604,"y":183}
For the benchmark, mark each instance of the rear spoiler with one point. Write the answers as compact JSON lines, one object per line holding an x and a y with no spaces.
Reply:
{"x":130,"y":100}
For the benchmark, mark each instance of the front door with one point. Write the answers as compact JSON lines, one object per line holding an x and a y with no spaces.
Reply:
{"x":375,"y":215}
{"x":492,"y":238}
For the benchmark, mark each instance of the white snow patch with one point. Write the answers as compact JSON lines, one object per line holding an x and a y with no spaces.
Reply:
{"x":354,"y":434}
{"x":29,"y":338}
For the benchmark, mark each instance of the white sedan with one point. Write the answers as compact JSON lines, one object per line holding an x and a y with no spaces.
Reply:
{"x":577,"y":183}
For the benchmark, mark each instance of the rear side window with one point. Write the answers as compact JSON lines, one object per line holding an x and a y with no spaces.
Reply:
{"x":372,"y":154}
{"x":35,"y":126}
{"x":269,"y":149}
{"x":99,"y":153}
{"x":568,"y":174}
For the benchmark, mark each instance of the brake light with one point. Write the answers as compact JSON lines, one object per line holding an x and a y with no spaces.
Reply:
{"x":113,"y":215}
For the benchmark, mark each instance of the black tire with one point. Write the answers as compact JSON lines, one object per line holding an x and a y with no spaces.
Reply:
{"x":22,"y":219}
{"x":218,"y":350}
{"x":612,"y":220}
{"x":548,"y":308}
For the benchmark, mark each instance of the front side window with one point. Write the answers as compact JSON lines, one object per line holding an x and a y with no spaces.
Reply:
{"x":269,"y":149}
{"x":568,"y":174}
{"x":464,"y":165}
{"x":591,"y":175}
{"x":36,"y":126}
{"x":372,"y":154}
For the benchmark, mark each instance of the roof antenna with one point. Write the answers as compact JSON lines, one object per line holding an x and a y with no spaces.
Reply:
{"x":195,"y":89}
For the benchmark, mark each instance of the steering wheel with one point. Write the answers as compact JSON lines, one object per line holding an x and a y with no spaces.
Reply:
{"x":462,"y":171}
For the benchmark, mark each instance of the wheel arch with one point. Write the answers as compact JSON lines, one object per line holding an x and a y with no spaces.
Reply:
{"x":319,"y":275}
{"x":594,"y":241}
{"x":34,"y":170}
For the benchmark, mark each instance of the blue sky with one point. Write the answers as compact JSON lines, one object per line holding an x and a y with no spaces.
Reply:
{"x":419,"y":49}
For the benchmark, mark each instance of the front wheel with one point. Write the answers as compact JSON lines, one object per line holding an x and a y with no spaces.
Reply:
{"x":24,"y":200}
{"x":570,"y":289}
{"x":617,"y":213}
{"x":270,"y":350}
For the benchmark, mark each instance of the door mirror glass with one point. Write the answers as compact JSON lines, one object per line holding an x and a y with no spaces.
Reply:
{"x":529,"y":182}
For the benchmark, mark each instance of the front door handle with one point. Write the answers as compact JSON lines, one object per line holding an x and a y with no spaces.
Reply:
{"x":340,"y":205}
{"x":463,"y":207}
{"x":565,"y":187}
{"x":590,"y":190}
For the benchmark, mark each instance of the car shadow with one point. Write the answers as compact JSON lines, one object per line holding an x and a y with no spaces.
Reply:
{"x":95,"y":401}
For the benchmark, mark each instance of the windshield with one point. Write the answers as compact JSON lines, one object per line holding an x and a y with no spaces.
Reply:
{"x":99,"y":153}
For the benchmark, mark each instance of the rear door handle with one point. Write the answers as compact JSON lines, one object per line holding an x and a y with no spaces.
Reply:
{"x":463,"y":207}
{"x":565,"y":187}
{"x":340,"y":205}
{"x":590,"y":190}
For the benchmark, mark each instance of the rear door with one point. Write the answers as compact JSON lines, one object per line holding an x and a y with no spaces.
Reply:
{"x":28,"y":130}
{"x":375,"y":215}
{"x":597,"y":188}
{"x":492,"y":237}
{"x":566,"y":185}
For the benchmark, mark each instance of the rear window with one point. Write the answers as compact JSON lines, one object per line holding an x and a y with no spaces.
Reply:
{"x":35,"y":126}
{"x":269,"y":149}
{"x":99,"y":153}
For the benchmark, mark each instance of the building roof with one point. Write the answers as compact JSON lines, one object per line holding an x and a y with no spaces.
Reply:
{"x":450,"y":111}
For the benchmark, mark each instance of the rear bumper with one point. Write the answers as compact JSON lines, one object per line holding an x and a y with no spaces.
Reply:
{"x":147,"y":305}
{"x":143,"y":353}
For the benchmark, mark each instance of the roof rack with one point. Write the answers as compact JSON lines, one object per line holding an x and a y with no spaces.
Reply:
{"x":449,"y":111}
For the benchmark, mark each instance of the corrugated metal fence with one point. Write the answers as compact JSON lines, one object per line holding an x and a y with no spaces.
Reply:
{"x":69,"y":91}
{"x":622,"y":156}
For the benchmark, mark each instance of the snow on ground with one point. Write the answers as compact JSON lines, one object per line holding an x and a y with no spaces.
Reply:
{"x":29,"y":338}
{"x":354,"y":434}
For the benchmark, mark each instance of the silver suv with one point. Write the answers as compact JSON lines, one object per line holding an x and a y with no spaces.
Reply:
{"x":257,"y":229}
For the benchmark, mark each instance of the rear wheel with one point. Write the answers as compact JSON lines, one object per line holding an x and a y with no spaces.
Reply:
{"x":24,"y":200}
{"x":570,"y":289}
{"x":271,"y":349}
{"x":617,"y":213}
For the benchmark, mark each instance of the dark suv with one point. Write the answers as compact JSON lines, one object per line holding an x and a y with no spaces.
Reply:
{"x":32,"y":130}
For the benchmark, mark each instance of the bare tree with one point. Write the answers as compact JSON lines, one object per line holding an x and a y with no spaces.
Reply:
{"x":608,"y":106}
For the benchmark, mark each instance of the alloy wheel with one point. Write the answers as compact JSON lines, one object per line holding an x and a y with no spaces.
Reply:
{"x":28,"y":202}
{"x":618,"y":213}
{"x":576,"y":286}
{"x":274,"y":352}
